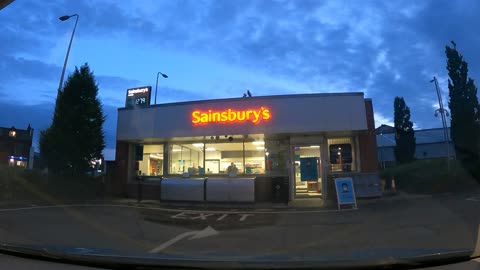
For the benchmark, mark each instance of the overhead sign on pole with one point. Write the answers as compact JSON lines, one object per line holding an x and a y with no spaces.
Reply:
{"x":345,"y":192}
{"x":138,"y":97}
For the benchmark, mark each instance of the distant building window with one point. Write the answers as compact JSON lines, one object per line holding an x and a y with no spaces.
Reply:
{"x":12,"y":133}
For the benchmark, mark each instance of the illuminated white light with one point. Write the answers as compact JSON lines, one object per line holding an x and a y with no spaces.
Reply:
{"x":210,"y":149}
{"x":315,"y":146}
{"x":258,"y":143}
{"x":339,"y":153}
{"x":176,"y":150}
{"x":198,"y":144}
{"x":260,"y":147}
{"x":267,"y":153}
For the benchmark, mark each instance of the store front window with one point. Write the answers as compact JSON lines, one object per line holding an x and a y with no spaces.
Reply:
{"x":224,"y":158}
{"x":235,"y":157}
{"x":186,"y":158}
{"x":342,"y":155}
{"x":152,"y":162}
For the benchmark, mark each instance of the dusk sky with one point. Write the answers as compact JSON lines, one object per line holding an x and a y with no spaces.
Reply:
{"x":218,"y":49}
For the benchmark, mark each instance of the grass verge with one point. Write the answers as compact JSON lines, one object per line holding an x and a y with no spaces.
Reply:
{"x":23,"y":185}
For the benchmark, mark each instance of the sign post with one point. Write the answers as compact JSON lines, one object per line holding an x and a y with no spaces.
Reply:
{"x":345,"y":192}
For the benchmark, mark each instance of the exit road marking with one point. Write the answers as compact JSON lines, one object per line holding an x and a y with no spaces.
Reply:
{"x":210,"y":216}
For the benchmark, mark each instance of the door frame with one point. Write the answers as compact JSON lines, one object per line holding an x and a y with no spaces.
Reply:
{"x":293,"y":182}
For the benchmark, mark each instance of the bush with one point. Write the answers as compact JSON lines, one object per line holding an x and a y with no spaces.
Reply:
{"x":18,"y":184}
{"x":430,"y":176}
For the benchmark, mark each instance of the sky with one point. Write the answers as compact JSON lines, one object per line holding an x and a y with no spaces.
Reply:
{"x":218,"y":49}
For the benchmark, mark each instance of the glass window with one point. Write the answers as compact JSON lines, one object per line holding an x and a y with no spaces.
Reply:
{"x":186,"y":158}
{"x":224,"y":158}
{"x":152,"y":163}
{"x":342,"y":155}
{"x":255,"y":157}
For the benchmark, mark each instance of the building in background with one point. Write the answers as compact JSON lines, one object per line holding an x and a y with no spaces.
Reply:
{"x":430,"y":145}
{"x":16,"y":147}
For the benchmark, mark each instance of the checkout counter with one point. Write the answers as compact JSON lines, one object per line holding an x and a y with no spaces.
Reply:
{"x":211,"y":189}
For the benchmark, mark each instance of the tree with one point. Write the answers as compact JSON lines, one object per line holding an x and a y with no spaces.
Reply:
{"x":76,"y":135}
{"x":464,"y":108}
{"x":404,"y":135}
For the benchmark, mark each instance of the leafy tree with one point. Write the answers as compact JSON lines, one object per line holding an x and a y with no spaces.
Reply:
{"x":464,"y":110}
{"x":76,"y":135}
{"x":404,"y":135}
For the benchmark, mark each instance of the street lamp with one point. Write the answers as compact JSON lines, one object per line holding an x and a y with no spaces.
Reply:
{"x":443,"y":114}
{"x":156,"y":86}
{"x":64,"y":18}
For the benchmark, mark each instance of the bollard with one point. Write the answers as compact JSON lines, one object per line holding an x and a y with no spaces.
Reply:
{"x":139,"y":191}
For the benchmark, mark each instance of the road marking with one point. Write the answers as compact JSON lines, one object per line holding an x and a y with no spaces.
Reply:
{"x":222,"y":217}
{"x":180,"y":215}
{"x":291,"y":211}
{"x":244,"y":216}
{"x":473,"y":199}
{"x":203,"y":216}
{"x":208,"y":231}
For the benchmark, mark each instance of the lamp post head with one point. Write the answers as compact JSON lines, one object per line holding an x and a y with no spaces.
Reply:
{"x":164,"y":75}
{"x":64,"y":18}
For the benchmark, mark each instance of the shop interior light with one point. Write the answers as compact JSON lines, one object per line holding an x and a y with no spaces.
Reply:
{"x":210,"y":149}
{"x":315,"y":146}
{"x":258,"y":143}
{"x":197,"y":144}
{"x":260,"y":147}
{"x":176,"y":150}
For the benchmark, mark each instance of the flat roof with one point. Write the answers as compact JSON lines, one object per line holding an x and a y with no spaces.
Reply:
{"x":247,"y":98}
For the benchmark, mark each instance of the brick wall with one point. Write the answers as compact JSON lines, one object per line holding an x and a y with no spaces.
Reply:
{"x":368,"y":143}
{"x":117,"y":171}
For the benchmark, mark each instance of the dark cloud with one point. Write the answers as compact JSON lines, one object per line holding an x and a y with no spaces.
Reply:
{"x":13,"y":68}
{"x":386,"y":48}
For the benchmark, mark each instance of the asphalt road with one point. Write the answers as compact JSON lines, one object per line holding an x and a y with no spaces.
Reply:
{"x":448,"y":222}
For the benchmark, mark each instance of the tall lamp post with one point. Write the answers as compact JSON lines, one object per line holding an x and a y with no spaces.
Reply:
{"x":64,"y":18}
{"x":444,"y":114}
{"x":156,"y":85}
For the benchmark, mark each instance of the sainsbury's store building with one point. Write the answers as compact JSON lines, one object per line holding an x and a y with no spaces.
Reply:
{"x":247,"y":149}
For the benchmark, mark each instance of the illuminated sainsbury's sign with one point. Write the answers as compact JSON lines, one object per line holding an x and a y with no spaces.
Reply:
{"x":231,"y":116}
{"x":138,"y":97}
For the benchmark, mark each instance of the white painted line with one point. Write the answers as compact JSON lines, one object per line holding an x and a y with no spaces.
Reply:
{"x":244,"y":216}
{"x":473,"y":199}
{"x":291,"y":211}
{"x":208,"y":231}
{"x":222,"y":217}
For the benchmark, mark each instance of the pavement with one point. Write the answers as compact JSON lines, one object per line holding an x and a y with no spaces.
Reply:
{"x":448,"y":221}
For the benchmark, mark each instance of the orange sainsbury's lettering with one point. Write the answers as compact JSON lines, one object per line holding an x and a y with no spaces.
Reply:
{"x":230,"y":115}
{"x":195,"y":117}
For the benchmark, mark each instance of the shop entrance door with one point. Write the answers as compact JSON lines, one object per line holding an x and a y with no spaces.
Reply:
{"x":307,"y":171}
